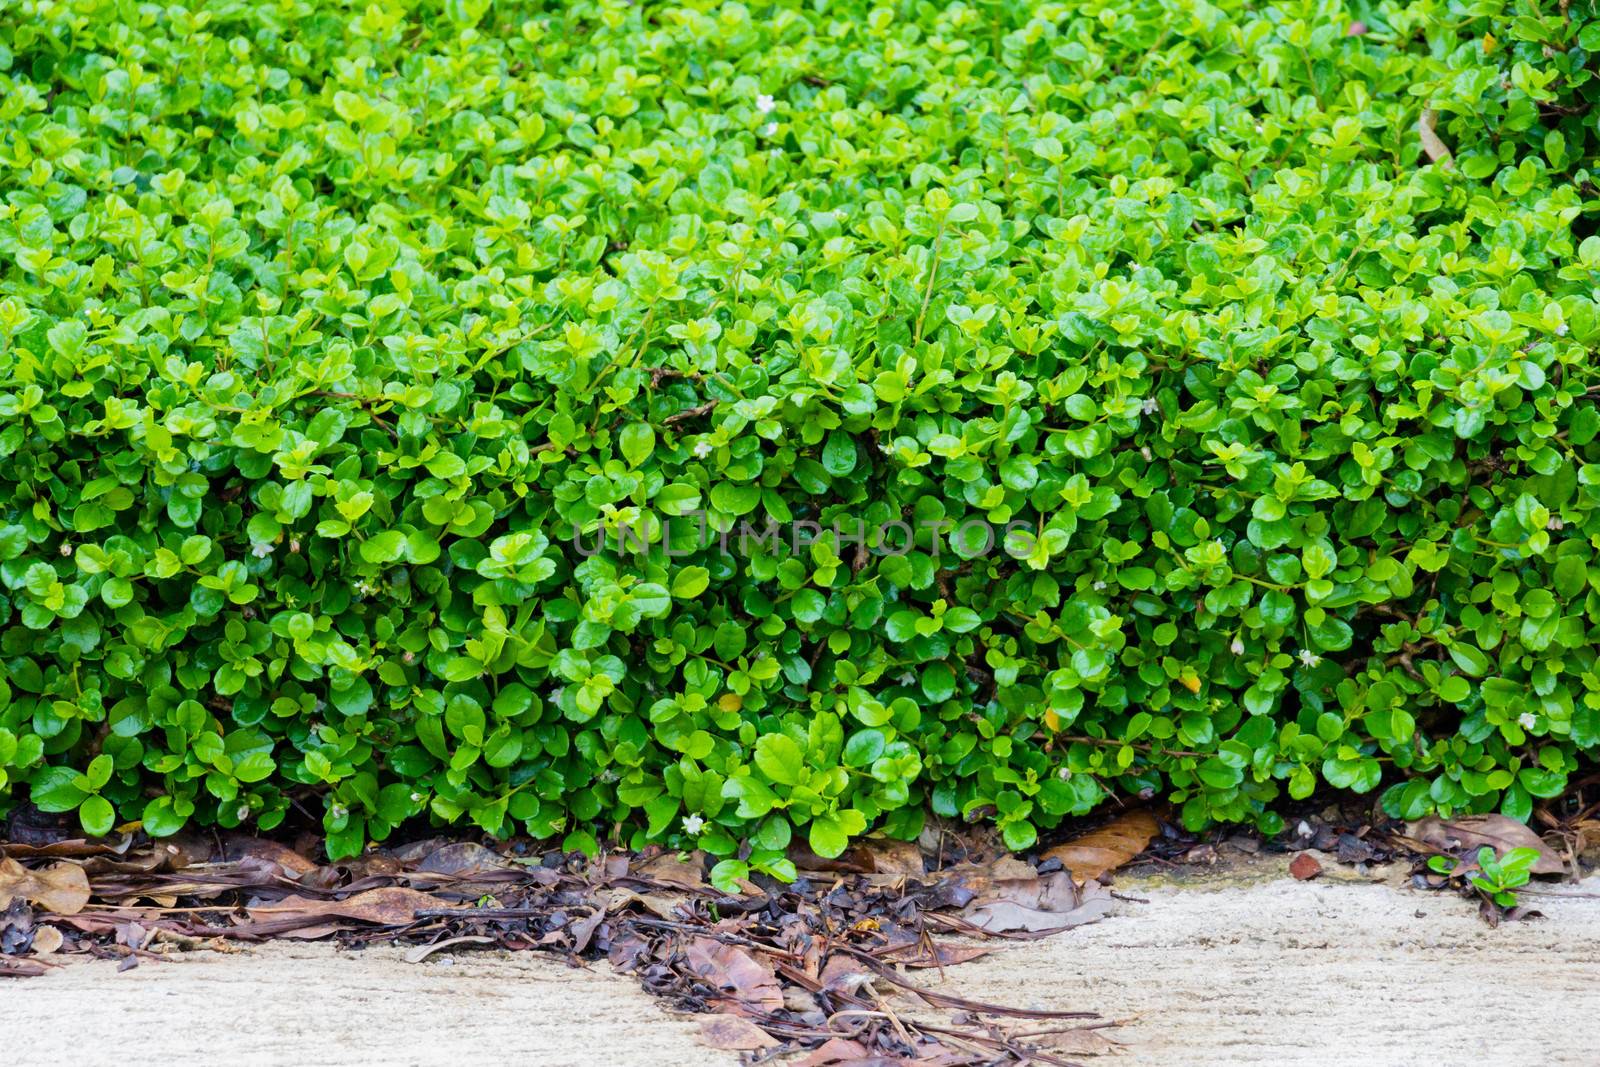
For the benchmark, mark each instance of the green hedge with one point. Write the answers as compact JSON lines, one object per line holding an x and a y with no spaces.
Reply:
{"x":1246,"y":437}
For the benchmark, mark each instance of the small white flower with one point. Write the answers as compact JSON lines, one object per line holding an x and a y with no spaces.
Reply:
{"x":1309,"y":658}
{"x":1555,"y":523}
{"x":702,"y":450}
{"x":1134,"y":268}
{"x":1260,"y":128}
{"x":262,"y":549}
{"x":242,"y":813}
{"x":1561,"y":330}
{"x":769,"y":129}
{"x":907,"y":678}
{"x":1304,"y":829}
{"x":1147,"y":454}
{"x":338,"y":811}
{"x":556,"y":694}
{"x":1099,"y":586}
{"x":1527,"y":720}
{"x":885,"y":449}
{"x":693,"y":824}
{"x":765,"y":104}
{"x":66,"y":548}
{"x":1063,"y":774}
{"x":1237,"y":648}
{"x":417,"y":798}
{"x":1150,"y":407}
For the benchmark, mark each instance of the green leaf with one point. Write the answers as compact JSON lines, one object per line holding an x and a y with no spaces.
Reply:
{"x":56,"y":790}
{"x":637,"y":441}
{"x":839,"y":454}
{"x":1019,"y":836}
{"x":96,"y":816}
{"x":1470,"y":659}
{"x":386,"y":547}
{"x":830,"y":834}
{"x":159,"y":819}
{"x":690,"y":582}
{"x":779,"y":758}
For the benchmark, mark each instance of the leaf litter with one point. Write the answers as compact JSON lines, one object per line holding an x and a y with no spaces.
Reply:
{"x":819,"y":966}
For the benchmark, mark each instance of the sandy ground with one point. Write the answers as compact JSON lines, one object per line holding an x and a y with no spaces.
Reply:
{"x":1286,"y":973}
{"x":1245,"y":969}
{"x":307,"y":1005}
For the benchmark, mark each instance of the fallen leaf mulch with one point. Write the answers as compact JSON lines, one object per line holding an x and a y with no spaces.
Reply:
{"x":822,"y":966}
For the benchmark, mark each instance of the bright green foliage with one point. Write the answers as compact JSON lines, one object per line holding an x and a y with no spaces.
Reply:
{"x":323,"y":328}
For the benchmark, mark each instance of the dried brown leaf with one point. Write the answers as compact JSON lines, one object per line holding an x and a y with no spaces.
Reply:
{"x":374,"y":867}
{"x":1472,"y":832}
{"x":734,"y":1034}
{"x":463,"y":860}
{"x":664,"y":905}
{"x":74,"y":848}
{"x":945,"y":954}
{"x":980,"y":877}
{"x":1079,"y":1041}
{"x":672,"y":868}
{"x":1437,"y":150}
{"x":62,"y":888}
{"x":422,"y":952}
{"x":241,"y":847}
{"x":1045,"y":905}
{"x":1105,"y":849}
{"x":750,"y":984}
{"x":895,"y":859}
{"x":834,"y":1051}
{"x":390,"y":906}
{"x":12,"y":967}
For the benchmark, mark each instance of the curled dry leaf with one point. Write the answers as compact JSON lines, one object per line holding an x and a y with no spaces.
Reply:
{"x":914,"y":954}
{"x":391,"y":906}
{"x":241,"y":846}
{"x":1037,"y":905}
{"x":833,"y":1052}
{"x":74,"y":848}
{"x":422,"y":952}
{"x":1071,"y":1041}
{"x":750,"y":985}
{"x":895,"y":859}
{"x":12,"y":967}
{"x":1105,"y":849}
{"x":1468,"y":833}
{"x":464,"y":859}
{"x":687,"y":871}
{"x":62,"y":888}
{"x":734,"y":1034}
{"x":1436,"y":149}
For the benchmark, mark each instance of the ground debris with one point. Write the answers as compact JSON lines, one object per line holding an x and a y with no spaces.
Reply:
{"x":1305,"y":867}
{"x":1468,"y":833}
{"x":817,"y":966}
{"x":1099,"y":851}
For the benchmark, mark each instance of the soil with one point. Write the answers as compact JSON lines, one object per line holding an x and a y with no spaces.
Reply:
{"x":1240,"y":967}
